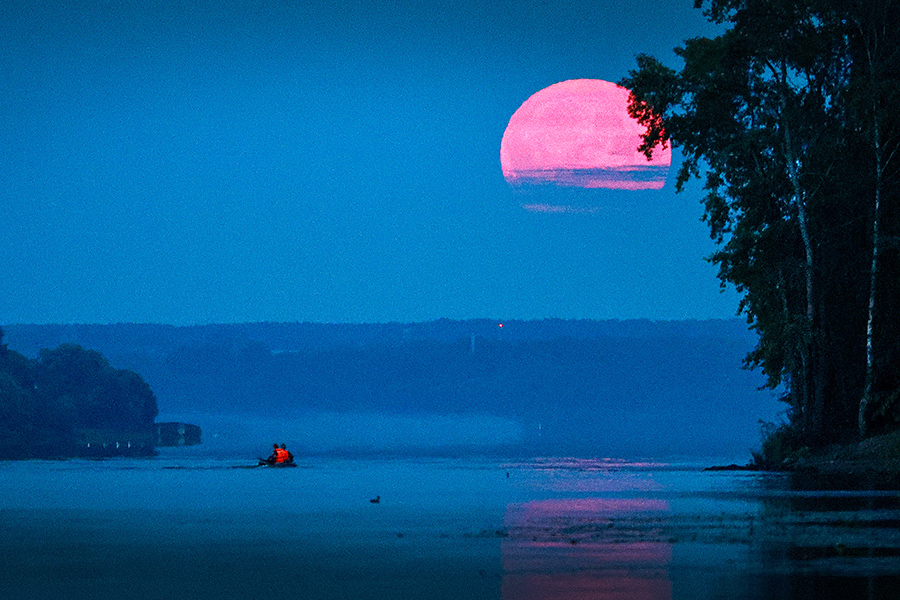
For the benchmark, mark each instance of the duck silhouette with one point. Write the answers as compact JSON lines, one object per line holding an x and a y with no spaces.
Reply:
{"x":375,"y":500}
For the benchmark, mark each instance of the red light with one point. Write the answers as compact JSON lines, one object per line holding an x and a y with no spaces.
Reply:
{"x":500,"y":325}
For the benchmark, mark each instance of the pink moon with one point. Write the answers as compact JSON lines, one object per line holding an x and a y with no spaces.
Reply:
{"x":578,"y":133}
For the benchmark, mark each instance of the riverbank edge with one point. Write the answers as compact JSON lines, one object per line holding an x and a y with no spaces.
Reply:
{"x":873,"y":463}
{"x":106,"y":443}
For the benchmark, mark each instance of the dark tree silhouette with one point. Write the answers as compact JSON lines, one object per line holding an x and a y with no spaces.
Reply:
{"x":789,"y":116}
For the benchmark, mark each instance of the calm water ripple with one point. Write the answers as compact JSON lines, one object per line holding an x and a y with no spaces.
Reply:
{"x":535,"y":529}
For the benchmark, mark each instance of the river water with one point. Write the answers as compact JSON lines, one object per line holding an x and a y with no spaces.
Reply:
{"x":536,"y":529}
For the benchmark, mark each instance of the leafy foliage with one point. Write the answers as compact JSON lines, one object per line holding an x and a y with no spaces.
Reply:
{"x":787,"y":115}
{"x":46,"y":405}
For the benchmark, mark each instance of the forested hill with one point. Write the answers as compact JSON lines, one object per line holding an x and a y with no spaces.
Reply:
{"x":71,"y":402}
{"x":128,"y":338}
{"x":635,"y":387}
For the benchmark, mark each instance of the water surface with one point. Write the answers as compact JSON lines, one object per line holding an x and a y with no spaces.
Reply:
{"x":536,"y":529}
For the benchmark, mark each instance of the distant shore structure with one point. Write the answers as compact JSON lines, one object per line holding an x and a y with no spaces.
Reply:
{"x":177,"y":434}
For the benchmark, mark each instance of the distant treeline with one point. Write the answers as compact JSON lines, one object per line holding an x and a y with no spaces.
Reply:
{"x":127,"y":338}
{"x":69,"y":401}
{"x":575,"y":386}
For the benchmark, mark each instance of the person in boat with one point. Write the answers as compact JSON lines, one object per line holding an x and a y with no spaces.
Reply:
{"x":280,"y":455}
{"x":288,"y":456}
{"x":274,"y":456}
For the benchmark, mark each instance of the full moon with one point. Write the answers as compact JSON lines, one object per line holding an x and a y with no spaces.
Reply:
{"x":578,"y":133}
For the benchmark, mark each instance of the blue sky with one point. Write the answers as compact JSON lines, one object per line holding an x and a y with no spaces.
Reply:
{"x":284,"y":160}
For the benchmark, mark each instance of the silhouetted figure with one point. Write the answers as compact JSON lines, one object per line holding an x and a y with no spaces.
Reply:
{"x":288,"y":457}
{"x":273,"y":458}
{"x":279,"y":455}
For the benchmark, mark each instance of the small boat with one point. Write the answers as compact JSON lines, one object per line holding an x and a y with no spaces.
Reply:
{"x":282,"y":465}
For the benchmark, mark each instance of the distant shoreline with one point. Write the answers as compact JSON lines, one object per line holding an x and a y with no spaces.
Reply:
{"x":101,"y":443}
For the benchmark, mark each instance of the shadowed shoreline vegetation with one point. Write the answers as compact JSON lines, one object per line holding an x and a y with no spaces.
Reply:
{"x":71,"y":403}
{"x":564,"y":387}
{"x":788,"y":116}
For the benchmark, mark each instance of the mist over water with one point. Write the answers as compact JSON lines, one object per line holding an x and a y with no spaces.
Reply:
{"x":356,"y":433}
{"x":672,"y":434}
{"x":632,"y":389}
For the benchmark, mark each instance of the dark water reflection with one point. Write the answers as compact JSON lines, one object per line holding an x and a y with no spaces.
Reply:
{"x":830,"y":538}
{"x":672,"y":533}
{"x":542,"y":529}
{"x":573,"y":548}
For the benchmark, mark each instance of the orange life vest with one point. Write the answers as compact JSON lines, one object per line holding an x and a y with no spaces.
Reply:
{"x":281,"y":455}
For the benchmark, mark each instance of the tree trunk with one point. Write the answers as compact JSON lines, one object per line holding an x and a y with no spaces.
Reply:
{"x":873,"y":281}
{"x":815,"y":417}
